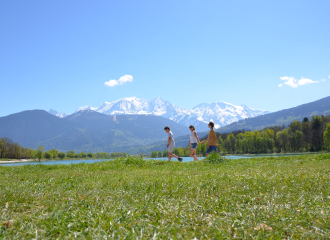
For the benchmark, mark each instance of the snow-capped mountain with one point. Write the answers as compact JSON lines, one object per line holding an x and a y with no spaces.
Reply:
{"x":57,"y":114}
{"x":85,"y":108}
{"x":221,"y":113}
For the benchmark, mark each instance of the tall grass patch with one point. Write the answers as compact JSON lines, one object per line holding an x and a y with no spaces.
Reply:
{"x":278,"y":198}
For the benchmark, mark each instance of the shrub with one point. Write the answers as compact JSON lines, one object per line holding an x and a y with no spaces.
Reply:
{"x":48,"y":155}
{"x":71,"y":154}
{"x":102,"y":155}
{"x":214,"y":158}
{"x":61,"y":155}
{"x":154,"y":154}
{"x":82,"y":155}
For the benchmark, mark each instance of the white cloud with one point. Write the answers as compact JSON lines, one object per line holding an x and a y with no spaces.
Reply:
{"x":329,"y":76}
{"x":305,"y":81}
{"x":292,"y":82}
{"x":323,"y":80}
{"x":120,"y":81}
{"x":111,"y":83}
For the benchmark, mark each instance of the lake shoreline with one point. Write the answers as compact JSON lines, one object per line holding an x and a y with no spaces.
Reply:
{"x":230,"y":156}
{"x":33,"y":160}
{"x":17,"y":161}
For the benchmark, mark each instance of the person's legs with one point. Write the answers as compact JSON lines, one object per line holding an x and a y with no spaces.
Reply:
{"x":175,"y":156}
{"x":193,"y":151}
{"x":170,"y":152}
{"x":214,"y":149}
{"x":208,"y":150}
{"x":169,"y":156}
{"x":193,"y":154}
{"x":211,"y":149}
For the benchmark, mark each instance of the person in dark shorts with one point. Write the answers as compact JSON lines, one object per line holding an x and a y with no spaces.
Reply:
{"x":212,"y":139}
{"x":193,"y":143}
{"x":171,"y":144}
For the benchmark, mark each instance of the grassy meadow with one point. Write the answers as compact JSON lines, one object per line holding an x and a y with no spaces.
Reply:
{"x":129,"y":198}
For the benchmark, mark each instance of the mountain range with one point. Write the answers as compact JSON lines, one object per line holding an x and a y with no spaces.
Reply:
{"x":221,"y":113}
{"x":87,"y":131}
{"x":283,"y":117}
{"x":91,"y":131}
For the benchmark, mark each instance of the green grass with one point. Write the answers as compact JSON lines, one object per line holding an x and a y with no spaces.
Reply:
{"x":266,"y":198}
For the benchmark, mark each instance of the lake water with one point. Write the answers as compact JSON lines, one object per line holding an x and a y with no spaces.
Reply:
{"x":185,"y":159}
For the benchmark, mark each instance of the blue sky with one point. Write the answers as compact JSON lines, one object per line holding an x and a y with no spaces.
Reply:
{"x":59,"y":54}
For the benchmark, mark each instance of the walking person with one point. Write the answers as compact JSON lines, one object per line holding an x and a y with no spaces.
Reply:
{"x":194,"y":140}
{"x":212,"y":139}
{"x":171,"y":144}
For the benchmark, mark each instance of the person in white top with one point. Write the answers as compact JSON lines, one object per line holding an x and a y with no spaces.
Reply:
{"x":194,"y":140}
{"x":171,"y":145}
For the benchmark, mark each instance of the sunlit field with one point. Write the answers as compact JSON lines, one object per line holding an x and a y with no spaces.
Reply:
{"x":257,"y":198}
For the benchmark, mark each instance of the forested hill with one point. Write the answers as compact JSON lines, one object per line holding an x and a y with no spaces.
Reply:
{"x":283,"y":117}
{"x":86,"y":130}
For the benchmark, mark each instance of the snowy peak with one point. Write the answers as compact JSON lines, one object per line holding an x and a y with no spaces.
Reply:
{"x":222,"y":113}
{"x":57,"y":114}
{"x":86,"y":108}
{"x":130,"y":105}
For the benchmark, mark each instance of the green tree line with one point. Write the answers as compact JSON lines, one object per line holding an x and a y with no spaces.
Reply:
{"x":11,"y":150}
{"x":309,"y":135}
